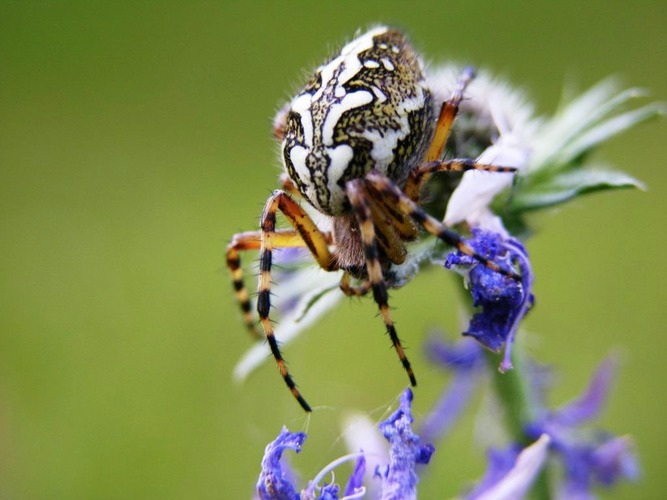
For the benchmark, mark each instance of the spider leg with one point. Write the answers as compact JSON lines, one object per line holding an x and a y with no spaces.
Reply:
{"x":288,"y":185}
{"x":317,"y":243}
{"x":361,"y":204}
{"x":353,"y":291}
{"x":419,"y":175}
{"x":393,"y":193}
{"x":387,"y":235}
{"x":251,"y":240}
{"x":397,"y":220}
{"x":448,"y":112}
{"x":443,"y":129}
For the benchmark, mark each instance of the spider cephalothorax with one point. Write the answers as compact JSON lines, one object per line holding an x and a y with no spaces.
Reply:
{"x":357,"y":143}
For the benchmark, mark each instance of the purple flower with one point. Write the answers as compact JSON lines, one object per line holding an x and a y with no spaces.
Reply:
{"x":329,"y":492}
{"x":503,"y":300}
{"x":589,"y":456}
{"x":354,"y":488}
{"x":500,"y":462}
{"x":274,"y":482}
{"x":355,"y":483}
{"x":399,"y":479}
{"x":466,"y":362}
{"x":511,"y":472}
{"x":462,"y":357}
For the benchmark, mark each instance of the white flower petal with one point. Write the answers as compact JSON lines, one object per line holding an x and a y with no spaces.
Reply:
{"x":506,"y":111}
{"x":471,"y":199}
{"x":360,"y":433}
{"x":519,"y":479}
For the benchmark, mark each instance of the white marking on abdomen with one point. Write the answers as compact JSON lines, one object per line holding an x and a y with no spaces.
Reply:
{"x":340,"y":159}
{"x":350,"y":101}
{"x":301,"y":106}
{"x":388,"y":65}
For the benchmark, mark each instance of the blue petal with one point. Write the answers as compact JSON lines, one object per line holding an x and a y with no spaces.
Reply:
{"x":356,"y":479}
{"x":464,"y":356}
{"x":589,"y":457}
{"x":616,"y":459}
{"x":465,"y":360}
{"x":500,"y":463}
{"x":602,"y":460}
{"x":329,"y":492}
{"x":589,"y":404}
{"x":274,"y":482}
{"x":503,"y":300}
{"x":290,"y":256}
{"x":449,"y":407}
{"x":399,"y":480}
{"x":512,"y":472}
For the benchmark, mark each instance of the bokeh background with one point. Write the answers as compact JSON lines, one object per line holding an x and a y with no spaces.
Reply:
{"x":135,"y":140}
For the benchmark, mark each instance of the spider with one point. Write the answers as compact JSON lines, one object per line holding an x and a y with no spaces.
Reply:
{"x":358,"y":142}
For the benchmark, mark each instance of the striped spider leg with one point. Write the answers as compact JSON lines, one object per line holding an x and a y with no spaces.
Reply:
{"x":251,"y":240}
{"x":305,"y":234}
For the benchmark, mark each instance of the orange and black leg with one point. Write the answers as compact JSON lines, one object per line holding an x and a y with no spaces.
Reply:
{"x":353,"y":291}
{"x":360,"y":200}
{"x":316,"y":241}
{"x":433,"y":160}
{"x":390,"y":191}
{"x":448,"y":112}
{"x":251,"y":240}
{"x":419,"y":175}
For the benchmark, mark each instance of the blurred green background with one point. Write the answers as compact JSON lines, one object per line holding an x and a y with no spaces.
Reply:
{"x":136,"y":139}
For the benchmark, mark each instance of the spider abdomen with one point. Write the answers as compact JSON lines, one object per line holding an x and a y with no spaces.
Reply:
{"x":368,"y":108}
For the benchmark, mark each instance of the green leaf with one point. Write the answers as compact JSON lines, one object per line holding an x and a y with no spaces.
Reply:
{"x":567,"y":185}
{"x":609,"y":128}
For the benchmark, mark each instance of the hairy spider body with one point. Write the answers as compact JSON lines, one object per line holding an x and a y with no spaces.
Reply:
{"x":357,"y":143}
{"x":368,"y":108}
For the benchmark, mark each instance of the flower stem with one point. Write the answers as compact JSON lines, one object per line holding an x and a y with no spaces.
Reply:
{"x":513,"y":394}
